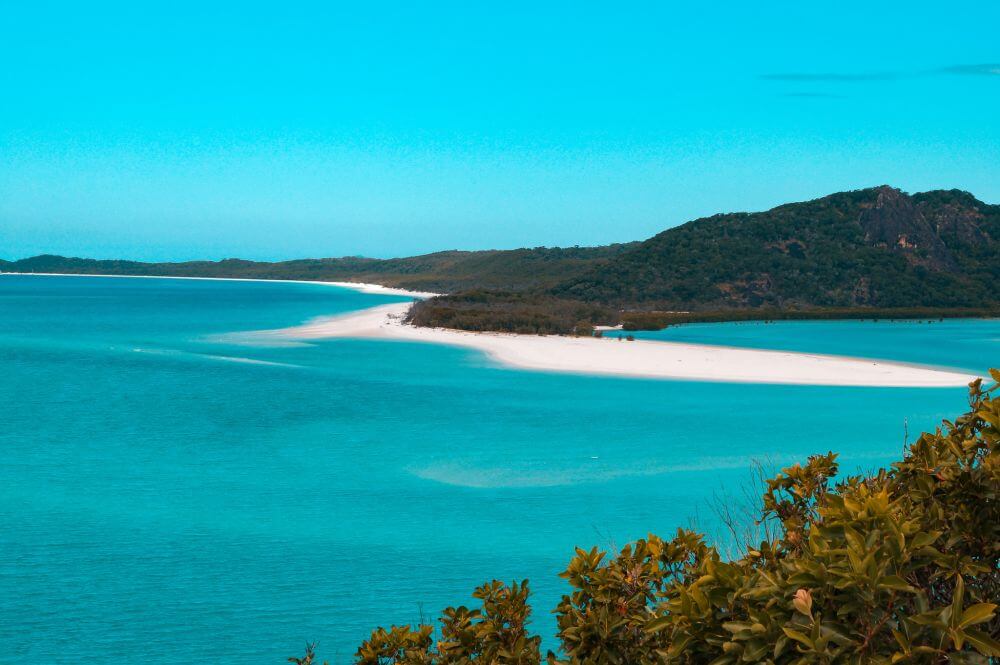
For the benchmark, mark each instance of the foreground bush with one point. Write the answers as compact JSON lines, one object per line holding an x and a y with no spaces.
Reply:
{"x":899,"y":567}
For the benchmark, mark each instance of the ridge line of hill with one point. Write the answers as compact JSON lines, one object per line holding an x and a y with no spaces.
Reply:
{"x":869,"y":252}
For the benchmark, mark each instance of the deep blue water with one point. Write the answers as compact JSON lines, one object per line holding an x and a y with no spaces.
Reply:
{"x":170,"y":497}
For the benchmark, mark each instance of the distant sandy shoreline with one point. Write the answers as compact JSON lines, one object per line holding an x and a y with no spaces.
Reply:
{"x":363,"y":287}
{"x":598,"y":356}
{"x":640,"y":358}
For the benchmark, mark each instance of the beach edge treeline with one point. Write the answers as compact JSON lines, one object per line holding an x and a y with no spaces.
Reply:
{"x":869,"y":253}
{"x":660,"y":320}
{"x":900,"y":566}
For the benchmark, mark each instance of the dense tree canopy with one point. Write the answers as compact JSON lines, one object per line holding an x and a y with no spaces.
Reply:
{"x":869,"y":248}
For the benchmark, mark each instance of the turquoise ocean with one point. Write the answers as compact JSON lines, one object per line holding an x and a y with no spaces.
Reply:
{"x":173,"y":493}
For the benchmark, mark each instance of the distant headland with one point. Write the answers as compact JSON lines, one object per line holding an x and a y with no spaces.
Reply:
{"x":869,"y":253}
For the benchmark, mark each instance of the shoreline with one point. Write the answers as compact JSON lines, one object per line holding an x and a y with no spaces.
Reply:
{"x":637,"y":359}
{"x":362,"y":287}
{"x":595,"y":356}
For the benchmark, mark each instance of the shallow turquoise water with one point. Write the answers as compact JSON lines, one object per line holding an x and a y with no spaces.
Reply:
{"x":968,"y":344}
{"x":163,"y":498}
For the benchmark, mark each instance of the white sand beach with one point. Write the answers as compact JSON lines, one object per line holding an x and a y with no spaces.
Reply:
{"x":363,"y":287}
{"x":608,"y":355}
{"x":378,"y":289}
{"x":649,"y":359}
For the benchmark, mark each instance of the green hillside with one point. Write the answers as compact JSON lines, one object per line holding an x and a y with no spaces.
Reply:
{"x":869,"y":248}
{"x":870,"y":252}
{"x":448,"y":271}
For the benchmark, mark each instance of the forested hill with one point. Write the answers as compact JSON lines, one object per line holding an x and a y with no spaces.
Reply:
{"x":871,"y":252}
{"x":518,"y":269}
{"x":869,"y":248}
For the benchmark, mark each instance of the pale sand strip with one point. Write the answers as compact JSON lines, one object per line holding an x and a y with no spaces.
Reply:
{"x":587,"y":355}
{"x":363,"y":287}
{"x":650,"y":359}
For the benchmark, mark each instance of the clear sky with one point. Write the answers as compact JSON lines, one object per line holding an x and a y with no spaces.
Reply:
{"x":179,"y":130}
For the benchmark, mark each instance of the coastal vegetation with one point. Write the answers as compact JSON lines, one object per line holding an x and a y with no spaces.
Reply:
{"x":448,"y":271}
{"x":637,"y":320}
{"x":535,"y":313}
{"x":871,"y":253}
{"x":898,"y":566}
{"x":510,"y":311}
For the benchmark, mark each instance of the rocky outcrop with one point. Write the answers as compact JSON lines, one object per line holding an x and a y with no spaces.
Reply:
{"x":957,"y":220}
{"x":894,"y":222}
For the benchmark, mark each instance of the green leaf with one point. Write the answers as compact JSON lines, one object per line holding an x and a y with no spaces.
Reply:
{"x":932,"y":618}
{"x":983,"y":643}
{"x":836,"y":634}
{"x":658,"y":624}
{"x":798,"y":636}
{"x":755,"y":651}
{"x":896,"y":583}
{"x":779,"y":646}
{"x":957,"y":601}
{"x":723,"y":660}
{"x":979,"y":613}
{"x":924,"y":539}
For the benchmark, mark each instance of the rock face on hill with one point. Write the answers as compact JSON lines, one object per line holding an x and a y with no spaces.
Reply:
{"x":876,"y":247}
{"x":896,"y":222}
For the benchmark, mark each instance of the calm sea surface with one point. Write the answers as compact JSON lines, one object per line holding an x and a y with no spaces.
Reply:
{"x":170,"y":495}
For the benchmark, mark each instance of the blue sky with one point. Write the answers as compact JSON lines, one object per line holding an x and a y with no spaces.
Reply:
{"x":167,"y":131}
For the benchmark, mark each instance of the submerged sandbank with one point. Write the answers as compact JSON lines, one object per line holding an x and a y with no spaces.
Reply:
{"x":648,"y":359}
